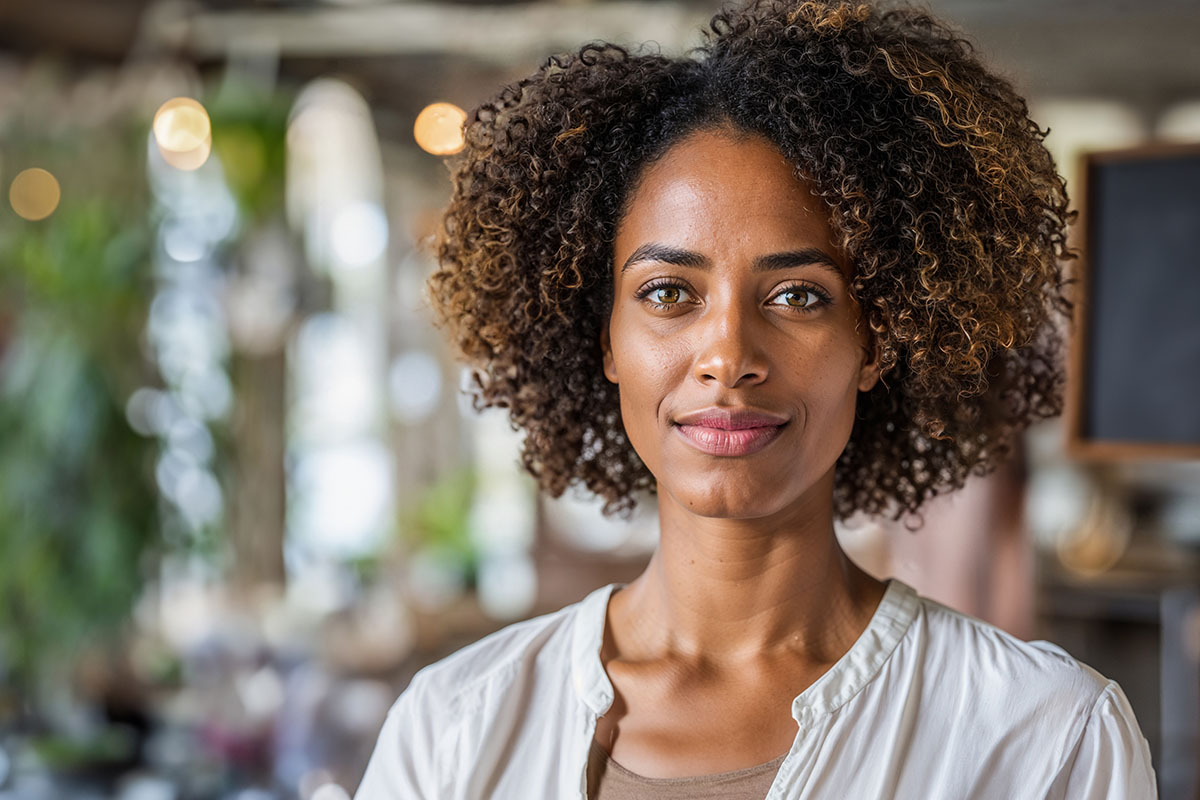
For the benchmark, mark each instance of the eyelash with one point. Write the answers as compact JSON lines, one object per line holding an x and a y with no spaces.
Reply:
{"x":823,"y":298}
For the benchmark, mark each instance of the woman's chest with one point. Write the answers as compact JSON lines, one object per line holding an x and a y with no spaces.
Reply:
{"x":668,"y":729}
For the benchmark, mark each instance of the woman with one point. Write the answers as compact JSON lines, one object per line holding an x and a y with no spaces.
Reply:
{"x":812,"y":270}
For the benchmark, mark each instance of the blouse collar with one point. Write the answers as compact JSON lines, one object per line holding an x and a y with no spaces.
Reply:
{"x":853,"y":671}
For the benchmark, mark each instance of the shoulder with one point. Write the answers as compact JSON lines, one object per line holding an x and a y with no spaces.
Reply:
{"x":1028,"y":716}
{"x":438,"y":725}
{"x":1031,"y":706}
{"x":1037,"y":676}
{"x":533,"y":656}
{"x":495,"y":655}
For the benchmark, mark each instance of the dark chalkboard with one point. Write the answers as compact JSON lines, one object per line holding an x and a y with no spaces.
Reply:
{"x":1135,"y":382}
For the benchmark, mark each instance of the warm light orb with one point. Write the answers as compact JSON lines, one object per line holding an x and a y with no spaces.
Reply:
{"x":34,"y":194}
{"x":1100,"y":540}
{"x":183,"y":132}
{"x":187,"y":159}
{"x":439,"y":129}
{"x":181,"y":124}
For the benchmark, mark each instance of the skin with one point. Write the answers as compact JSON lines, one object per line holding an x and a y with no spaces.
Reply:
{"x":748,"y":598}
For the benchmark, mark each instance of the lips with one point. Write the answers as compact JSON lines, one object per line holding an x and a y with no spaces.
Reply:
{"x":731,"y":418}
{"x":729,"y":431}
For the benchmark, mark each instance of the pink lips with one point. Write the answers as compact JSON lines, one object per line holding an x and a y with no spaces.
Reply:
{"x":719,"y":442}
{"x":730,"y":430}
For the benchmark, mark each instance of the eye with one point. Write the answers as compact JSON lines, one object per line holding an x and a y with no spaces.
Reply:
{"x":663,"y":294}
{"x":800,"y":297}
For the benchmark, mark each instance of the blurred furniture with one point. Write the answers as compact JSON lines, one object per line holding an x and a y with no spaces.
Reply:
{"x":1139,"y":624}
{"x":1135,"y":353}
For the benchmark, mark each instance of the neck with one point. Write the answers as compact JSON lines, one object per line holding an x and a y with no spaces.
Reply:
{"x":730,"y":590}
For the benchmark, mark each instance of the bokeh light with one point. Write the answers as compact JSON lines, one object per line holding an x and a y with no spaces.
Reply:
{"x":415,"y":386}
{"x":190,"y":160}
{"x":330,"y":791}
{"x":34,"y":194}
{"x":359,"y":234}
{"x":183,"y":132}
{"x":439,"y":129}
{"x":1100,"y":540}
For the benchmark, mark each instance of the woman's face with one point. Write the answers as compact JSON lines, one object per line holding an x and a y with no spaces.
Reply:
{"x":728,"y":294}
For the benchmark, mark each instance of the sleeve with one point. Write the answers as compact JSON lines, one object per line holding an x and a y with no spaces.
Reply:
{"x":404,"y":763}
{"x":1112,"y":759}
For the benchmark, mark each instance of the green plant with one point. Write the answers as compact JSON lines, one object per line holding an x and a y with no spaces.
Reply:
{"x":78,"y":501}
{"x":439,"y":522}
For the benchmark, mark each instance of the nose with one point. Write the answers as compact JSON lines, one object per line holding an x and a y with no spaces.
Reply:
{"x":730,"y":344}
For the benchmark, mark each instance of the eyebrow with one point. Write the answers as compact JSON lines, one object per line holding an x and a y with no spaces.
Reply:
{"x":653,"y":251}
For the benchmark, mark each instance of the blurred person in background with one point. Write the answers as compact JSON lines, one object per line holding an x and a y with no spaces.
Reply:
{"x":811,"y":272}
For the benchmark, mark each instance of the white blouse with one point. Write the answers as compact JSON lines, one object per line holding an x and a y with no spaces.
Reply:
{"x":928,"y":704}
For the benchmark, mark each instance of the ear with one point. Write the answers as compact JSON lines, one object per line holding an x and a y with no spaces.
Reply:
{"x":868,"y":373}
{"x":610,"y":367}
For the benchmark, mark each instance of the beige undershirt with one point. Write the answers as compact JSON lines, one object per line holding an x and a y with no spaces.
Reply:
{"x":608,"y":780}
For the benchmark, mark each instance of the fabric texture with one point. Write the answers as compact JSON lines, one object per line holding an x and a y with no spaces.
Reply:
{"x":927,"y":704}
{"x":608,"y":780}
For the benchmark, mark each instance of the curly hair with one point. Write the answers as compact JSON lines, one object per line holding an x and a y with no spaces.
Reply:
{"x":940,"y":193}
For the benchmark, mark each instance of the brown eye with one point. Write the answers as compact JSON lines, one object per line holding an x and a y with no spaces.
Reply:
{"x":663,"y":295}
{"x":802,"y":298}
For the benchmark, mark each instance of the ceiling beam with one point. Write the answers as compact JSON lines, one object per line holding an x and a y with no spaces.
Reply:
{"x":502,"y":34}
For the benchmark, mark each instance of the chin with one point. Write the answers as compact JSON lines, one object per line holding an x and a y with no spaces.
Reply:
{"x":726,"y":502}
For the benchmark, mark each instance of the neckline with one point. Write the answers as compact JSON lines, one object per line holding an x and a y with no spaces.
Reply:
{"x":689,"y":780}
{"x":849,"y":674}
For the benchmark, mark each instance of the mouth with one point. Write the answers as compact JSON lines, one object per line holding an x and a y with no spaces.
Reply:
{"x":721,"y":442}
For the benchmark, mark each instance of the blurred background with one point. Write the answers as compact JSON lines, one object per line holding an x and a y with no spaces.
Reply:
{"x":242,"y":497}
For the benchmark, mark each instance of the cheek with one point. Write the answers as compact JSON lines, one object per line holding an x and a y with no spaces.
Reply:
{"x":647,"y":362}
{"x":827,"y":378}
{"x":649,"y":373}
{"x":646,"y":372}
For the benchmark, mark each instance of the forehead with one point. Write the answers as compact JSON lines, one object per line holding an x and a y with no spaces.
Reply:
{"x":725,"y":195}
